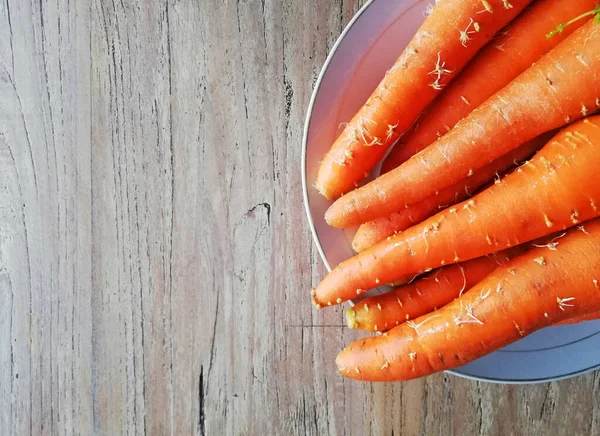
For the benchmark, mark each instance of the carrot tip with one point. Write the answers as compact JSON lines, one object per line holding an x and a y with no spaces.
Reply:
{"x":332,"y":215}
{"x":314,"y":299}
{"x":323,"y":191}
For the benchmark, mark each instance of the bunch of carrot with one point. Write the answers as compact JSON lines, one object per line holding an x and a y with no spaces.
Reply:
{"x":506,"y":243}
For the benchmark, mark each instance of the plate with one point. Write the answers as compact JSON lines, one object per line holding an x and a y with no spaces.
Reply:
{"x":368,"y":46}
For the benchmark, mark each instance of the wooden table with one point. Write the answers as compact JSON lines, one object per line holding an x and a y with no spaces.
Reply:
{"x":155,"y":259}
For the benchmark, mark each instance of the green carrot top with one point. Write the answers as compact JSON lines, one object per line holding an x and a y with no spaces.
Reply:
{"x":561,"y":26}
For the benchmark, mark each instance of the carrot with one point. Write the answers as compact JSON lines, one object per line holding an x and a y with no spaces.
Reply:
{"x":588,"y":317}
{"x":452,"y":34}
{"x":385,"y":311}
{"x":499,"y":62}
{"x":555,"y":190}
{"x":373,"y":232}
{"x":546,"y":96}
{"x":537,"y":289}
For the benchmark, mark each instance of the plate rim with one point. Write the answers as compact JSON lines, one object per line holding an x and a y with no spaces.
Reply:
{"x":317,"y":241}
{"x":307,"y":121}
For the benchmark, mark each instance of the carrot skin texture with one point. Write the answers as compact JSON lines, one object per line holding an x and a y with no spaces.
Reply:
{"x":588,"y":317}
{"x":499,"y":310}
{"x":383,"y":312}
{"x":555,"y":190}
{"x":543,"y":98}
{"x":432,"y":58}
{"x":515,"y":48}
{"x":375,"y":231}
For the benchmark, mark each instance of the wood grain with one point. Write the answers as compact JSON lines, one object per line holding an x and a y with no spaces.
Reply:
{"x":155,"y":261}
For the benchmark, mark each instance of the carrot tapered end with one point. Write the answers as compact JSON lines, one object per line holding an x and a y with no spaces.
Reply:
{"x":360,"y":363}
{"x":345,"y":364}
{"x":328,"y":194}
{"x":341,"y":214}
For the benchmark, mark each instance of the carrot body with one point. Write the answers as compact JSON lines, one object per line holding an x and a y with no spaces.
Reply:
{"x":537,"y":289}
{"x":385,"y":311}
{"x":447,"y":40}
{"x":375,"y":231}
{"x":546,"y":96}
{"x":503,"y":59}
{"x":588,"y":317}
{"x":557,"y":189}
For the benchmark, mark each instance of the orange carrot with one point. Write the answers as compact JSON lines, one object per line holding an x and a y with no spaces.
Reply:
{"x":447,"y":40}
{"x":376,"y":231}
{"x":555,"y":190}
{"x":537,"y":289}
{"x":564,"y":85}
{"x":503,"y":59}
{"x":385,"y":311}
{"x":589,"y":317}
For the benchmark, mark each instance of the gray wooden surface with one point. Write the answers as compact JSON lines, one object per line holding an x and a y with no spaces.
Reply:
{"x":155,"y":261}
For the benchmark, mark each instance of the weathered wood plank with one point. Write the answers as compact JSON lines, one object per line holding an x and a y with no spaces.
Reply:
{"x":155,"y":260}
{"x":45,"y":264}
